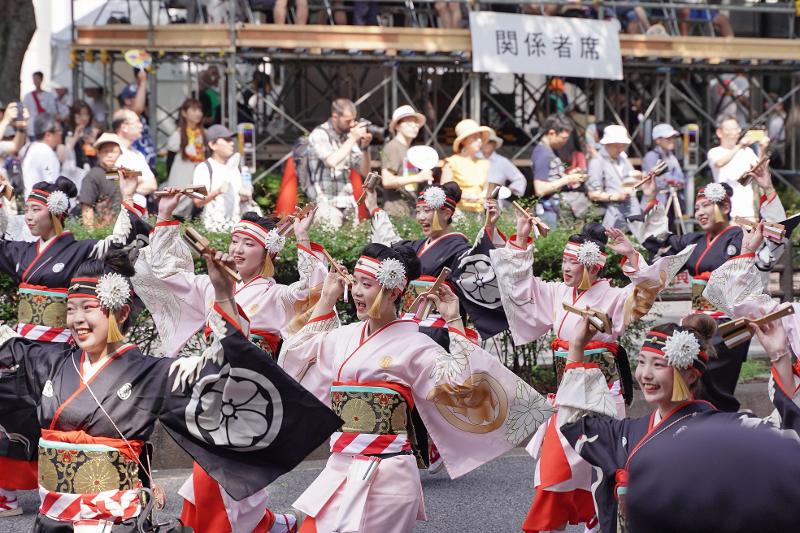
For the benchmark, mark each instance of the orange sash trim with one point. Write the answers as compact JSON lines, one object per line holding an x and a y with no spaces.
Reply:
{"x":561,"y":344}
{"x":81,"y":437}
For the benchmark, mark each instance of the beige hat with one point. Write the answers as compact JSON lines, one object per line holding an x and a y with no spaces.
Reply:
{"x":496,"y":139}
{"x":108,"y":138}
{"x":405,"y":111}
{"x":468,"y":127}
{"x":615,"y":134}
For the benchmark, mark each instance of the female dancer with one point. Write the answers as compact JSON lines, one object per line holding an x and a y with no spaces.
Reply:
{"x":181,"y":302}
{"x":671,"y":365}
{"x":43,"y":269}
{"x":375,"y":372}
{"x":98,"y":401}
{"x":533,"y":307}
{"x":717,"y":241}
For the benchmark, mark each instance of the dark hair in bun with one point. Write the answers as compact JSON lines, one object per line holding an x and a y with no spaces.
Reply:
{"x":116,"y":260}
{"x":402,"y":253}
{"x":63,"y":184}
{"x":451,"y":190}
{"x":593,"y":232}
{"x":266,"y":223}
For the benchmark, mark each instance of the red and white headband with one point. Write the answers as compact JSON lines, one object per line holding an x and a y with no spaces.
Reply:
{"x":271,"y":240}
{"x":435,"y":198}
{"x":588,"y":253}
{"x":390,"y":273}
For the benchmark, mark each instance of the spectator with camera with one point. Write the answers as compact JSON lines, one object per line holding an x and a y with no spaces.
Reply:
{"x":399,"y":177}
{"x":13,"y":124}
{"x":549,"y":176}
{"x":100,"y":195}
{"x":663,"y":149}
{"x":39,"y":159}
{"x":610,"y":177}
{"x":128,"y":127}
{"x":334,"y":149}
{"x":133,"y":97}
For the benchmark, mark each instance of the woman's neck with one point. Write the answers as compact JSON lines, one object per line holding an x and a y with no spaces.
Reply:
{"x":471,"y":155}
{"x":374,"y":324}
{"x":109,"y":348}
{"x":716,"y":229}
{"x":666,"y":408}
{"x":247,"y":278}
{"x":192,"y":125}
{"x":436,"y":234}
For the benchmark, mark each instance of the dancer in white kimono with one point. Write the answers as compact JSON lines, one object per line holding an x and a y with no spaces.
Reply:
{"x":181,"y":301}
{"x":375,"y":373}
{"x":534,"y":307}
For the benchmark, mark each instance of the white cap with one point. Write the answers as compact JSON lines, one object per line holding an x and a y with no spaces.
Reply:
{"x":405,"y":111}
{"x":664,"y":131}
{"x":615,"y":134}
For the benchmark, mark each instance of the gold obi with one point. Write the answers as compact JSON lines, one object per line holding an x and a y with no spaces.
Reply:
{"x":85,"y":468}
{"x":376,"y":410}
{"x":700,"y":304}
{"x":603,"y":357}
{"x":42,"y":306}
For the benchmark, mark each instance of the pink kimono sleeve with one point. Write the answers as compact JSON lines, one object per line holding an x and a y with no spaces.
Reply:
{"x":528,"y":302}
{"x":308,"y":355}
{"x":474,"y":407}
{"x":178,"y":299}
{"x":297,"y":298}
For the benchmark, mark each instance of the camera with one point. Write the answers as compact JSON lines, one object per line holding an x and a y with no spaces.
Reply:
{"x":378,"y":132}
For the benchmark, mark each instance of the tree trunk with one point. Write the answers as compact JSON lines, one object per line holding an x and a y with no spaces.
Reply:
{"x":16,"y":30}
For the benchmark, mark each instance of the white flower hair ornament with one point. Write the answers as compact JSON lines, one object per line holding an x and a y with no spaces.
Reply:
{"x":113,"y":291}
{"x":274,"y":242}
{"x":589,"y":254}
{"x":391,"y":274}
{"x":57,"y":203}
{"x":434,"y":197}
{"x":681,"y":349}
{"x":715,"y":192}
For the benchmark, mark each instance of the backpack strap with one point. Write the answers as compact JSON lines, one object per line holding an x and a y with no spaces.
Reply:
{"x":210,"y":174}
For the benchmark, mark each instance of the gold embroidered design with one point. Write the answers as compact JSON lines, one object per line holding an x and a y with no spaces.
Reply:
{"x":479,"y":405}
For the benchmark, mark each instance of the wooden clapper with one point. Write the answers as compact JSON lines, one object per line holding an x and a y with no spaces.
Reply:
{"x":737,"y":332}
{"x":598,"y":319}
{"x":201,"y":245}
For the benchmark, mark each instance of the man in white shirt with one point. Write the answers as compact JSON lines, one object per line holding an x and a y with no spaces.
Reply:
{"x":128,"y":127}
{"x":39,"y":159}
{"x":732,"y":158}
{"x":502,"y":171}
{"x":39,"y":101}
{"x":220,"y":175}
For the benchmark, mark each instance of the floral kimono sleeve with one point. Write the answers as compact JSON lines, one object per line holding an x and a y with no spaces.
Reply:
{"x":308,"y":355}
{"x":474,"y":408}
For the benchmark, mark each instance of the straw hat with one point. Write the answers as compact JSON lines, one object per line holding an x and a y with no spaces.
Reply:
{"x":615,"y":134}
{"x":405,"y":111}
{"x":108,"y":138}
{"x":496,"y":139}
{"x":468,"y":127}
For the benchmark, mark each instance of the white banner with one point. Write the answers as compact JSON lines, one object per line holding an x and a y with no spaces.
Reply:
{"x":555,"y":46}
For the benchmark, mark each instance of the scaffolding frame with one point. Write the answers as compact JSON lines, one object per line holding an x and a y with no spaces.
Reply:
{"x":443,"y":82}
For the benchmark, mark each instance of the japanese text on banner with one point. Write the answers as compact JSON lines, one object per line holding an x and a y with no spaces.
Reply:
{"x":555,"y":46}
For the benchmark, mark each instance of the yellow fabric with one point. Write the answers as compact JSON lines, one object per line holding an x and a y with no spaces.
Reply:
{"x":680,"y":392}
{"x":472,"y":175}
{"x":114,"y":334}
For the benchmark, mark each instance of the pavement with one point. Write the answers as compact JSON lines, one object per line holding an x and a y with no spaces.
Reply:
{"x":495,"y":497}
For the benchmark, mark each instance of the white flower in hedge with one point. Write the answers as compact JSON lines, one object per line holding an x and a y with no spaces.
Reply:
{"x":434,"y":197}
{"x":715,"y":192}
{"x":113,"y":291}
{"x":391,"y":274}
{"x":57,"y":203}
{"x":274,"y":242}
{"x":681,"y":349}
{"x":589,"y":254}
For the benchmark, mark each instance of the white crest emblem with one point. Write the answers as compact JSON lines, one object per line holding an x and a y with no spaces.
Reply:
{"x":48,"y":389}
{"x":731,"y":251}
{"x":58,"y":267}
{"x":124,"y":392}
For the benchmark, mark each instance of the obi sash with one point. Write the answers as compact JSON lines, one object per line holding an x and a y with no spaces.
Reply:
{"x":82,"y":478}
{"x":700,"y":304}
{"x":266,"y":340}
{"x":377,"y":418}
{"x":603,"y":354}
{"x":42,"y":313}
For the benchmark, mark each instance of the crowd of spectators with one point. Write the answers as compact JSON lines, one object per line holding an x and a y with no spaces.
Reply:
{"x":693,"y":16}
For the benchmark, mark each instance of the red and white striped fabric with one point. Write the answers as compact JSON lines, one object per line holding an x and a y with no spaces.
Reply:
{"x":433,"y":320}
{"x":37,"y":332}
{"x":368,"y":443}
{"x":111,"y":505}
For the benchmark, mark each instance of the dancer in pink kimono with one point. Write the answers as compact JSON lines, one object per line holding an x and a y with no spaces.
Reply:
{"x":533,"y":307}
{"x":375,"y":373}
{"x":180,"y":302}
